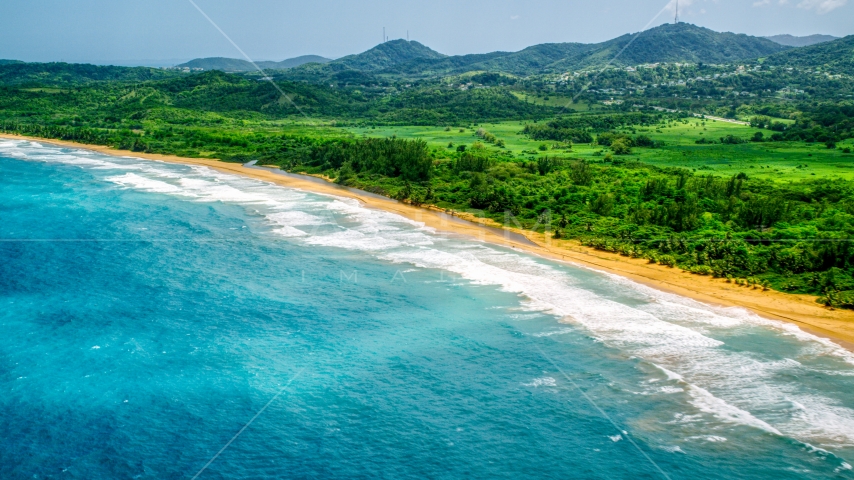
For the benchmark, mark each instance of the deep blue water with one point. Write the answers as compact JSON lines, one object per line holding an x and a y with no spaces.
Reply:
{"x":150,"y":311}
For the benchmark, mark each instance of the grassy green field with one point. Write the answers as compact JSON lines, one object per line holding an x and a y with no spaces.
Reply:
{"x":779,"y":161}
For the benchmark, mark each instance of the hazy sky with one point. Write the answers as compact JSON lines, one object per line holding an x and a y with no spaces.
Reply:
{"x":168,"y":31}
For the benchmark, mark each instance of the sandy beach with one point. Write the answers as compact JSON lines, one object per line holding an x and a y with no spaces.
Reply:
{"x":802,"y":310}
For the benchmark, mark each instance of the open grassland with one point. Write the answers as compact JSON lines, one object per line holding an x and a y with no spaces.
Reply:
{"x":778,"y":161}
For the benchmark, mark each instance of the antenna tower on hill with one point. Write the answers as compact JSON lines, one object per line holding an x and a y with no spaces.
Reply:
{"x":677,"y":12}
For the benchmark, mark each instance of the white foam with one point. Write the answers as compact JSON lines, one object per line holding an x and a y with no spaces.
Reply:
{"x":690,"y":310}
{"x":353,"y":240}
{"x":708,"y":403}
{"x":709,"y":438}
{"x":822,"y":419}
{"x":541,"y":382}
{"x":294,"y":217}
{"x":289,"y":232}
{"x":670,"y":375}
{"x":132,"y":180}
{"x":561,"y":331}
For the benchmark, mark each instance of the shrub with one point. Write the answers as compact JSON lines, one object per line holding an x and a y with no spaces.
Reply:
{"x":560,"y":130}
{"x":835,"y":299}
{"x":621,"y":147}
{"x":486,"y":136}
{"x":644,"y":141}
{"x":731,"y":140}
{"x":608,"y":138}
{"x":580,"y":173}
{"x":547,"y":164}
{"x":469,"y":162}
{"x":701,"y":269}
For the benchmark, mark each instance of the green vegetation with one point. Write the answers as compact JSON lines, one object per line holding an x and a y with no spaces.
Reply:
{"x":837,"y":55}
{"x":66,"y":74}
{"x":236,"y":65}
{"x":742,"y":171}
{"x":779,"y":231}
{"x":667,"y":43}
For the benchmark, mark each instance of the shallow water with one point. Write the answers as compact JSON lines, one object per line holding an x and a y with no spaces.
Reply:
{"x":150,"y":310}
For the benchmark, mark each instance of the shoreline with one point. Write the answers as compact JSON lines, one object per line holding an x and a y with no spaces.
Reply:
{"x":801,"y":310}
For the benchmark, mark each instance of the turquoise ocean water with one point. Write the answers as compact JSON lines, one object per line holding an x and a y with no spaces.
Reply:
{"x":149,"y":312}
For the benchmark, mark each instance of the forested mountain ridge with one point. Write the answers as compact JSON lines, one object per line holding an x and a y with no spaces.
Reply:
{"x":532,"y":60}
{"x":66,"y":74}
{"x":401,"y":59}
{"x":296,"y":61}
{"x":837,"y":56}
{"x":237,"y":65}
{"x":113,"y":104}
{"x":680,"y":42}
{"x":386,"y":55}
{"x":219,"y":63}
{"x":793,"y":41}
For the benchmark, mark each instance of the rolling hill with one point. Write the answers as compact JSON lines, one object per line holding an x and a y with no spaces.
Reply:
{"x":237,"y":65}
{"x":296,"y":62}
{"x":793,"y":41}
{"x":66,"y":74}
{"x":401,"y":59}
{"x":386,"y":55}
{"x":680,"y":42}
{"x":532,"y":60}
{"x":836,"y":56}
{"x":219,"y":63}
